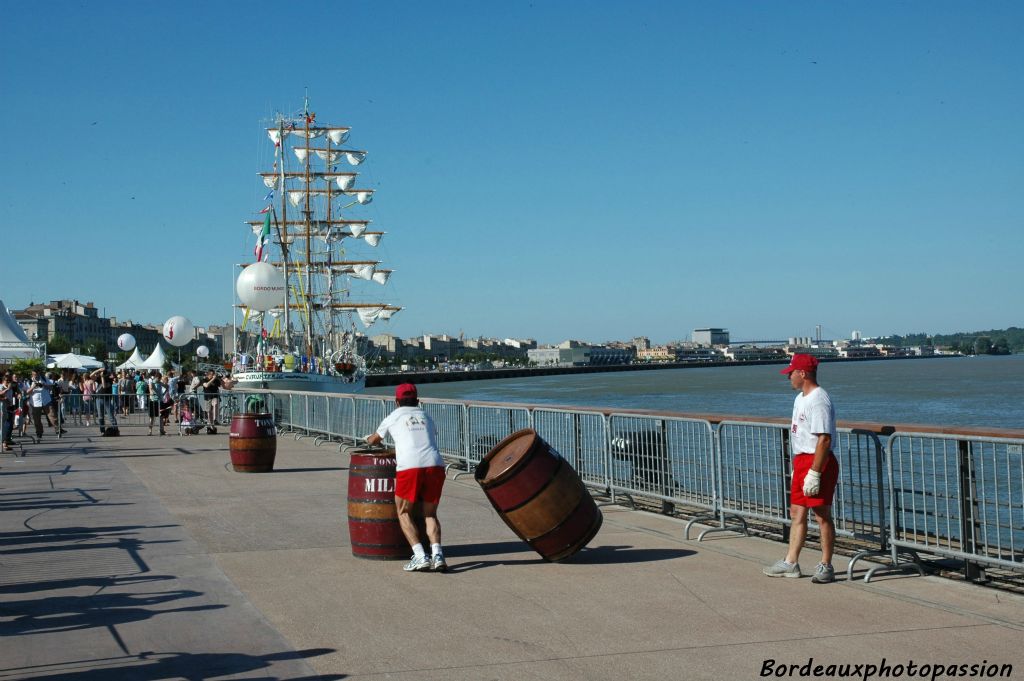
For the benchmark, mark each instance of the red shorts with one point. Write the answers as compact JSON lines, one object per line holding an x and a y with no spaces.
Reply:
{"x":420,"y":484}
{"x":829,"y":478}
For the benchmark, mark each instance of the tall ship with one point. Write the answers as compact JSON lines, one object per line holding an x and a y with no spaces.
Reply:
{"x":313,"y":276}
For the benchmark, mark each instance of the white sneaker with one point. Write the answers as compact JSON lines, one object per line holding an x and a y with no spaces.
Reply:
{"x":783,"y":569}
{"x":437,"y":563}
{"x":420,"y":564}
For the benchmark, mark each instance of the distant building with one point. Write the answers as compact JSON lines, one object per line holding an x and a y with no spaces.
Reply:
{"x":559,"y":356}
{"x":852,"y":351}
{"x":521,"y":343}
{"x":694,"y":353}
{"x":79,"y":323}
{"x":388,"y":345}
{"x":749,"y":353}
{"x":660,"y":353}
{"x":711,"y":337}
{"x":641,"y":343}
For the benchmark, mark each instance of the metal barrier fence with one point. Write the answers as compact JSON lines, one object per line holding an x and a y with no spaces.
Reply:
{"x":945,"y":495}
{"x":959,"y":497}
{"x":951,"y":496}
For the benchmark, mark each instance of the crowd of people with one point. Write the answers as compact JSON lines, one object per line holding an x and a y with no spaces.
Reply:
{"x":99,"y":397}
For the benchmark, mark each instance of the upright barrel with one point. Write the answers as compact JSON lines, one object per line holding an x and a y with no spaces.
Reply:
{"x":539,"y":495}
{"x":253,"y":443}
{"x":372,"y":519}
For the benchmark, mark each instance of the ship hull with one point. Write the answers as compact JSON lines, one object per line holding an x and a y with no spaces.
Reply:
{"x":284,"y":380}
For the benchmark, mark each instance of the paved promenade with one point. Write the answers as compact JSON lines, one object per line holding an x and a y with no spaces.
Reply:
{"x":148,"y":558}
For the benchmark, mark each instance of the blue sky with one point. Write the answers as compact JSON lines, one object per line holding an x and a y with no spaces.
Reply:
{"x":591,"y":170}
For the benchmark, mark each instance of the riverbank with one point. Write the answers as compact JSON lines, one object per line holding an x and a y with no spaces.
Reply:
{"x":380,"y":380}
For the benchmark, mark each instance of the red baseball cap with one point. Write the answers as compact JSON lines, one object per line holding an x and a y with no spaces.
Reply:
{"x":801,"y":362}
{"x":405,"y":391}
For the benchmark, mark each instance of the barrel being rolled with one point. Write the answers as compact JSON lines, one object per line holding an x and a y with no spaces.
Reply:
{"x":372,"y":519}
{"x":253,"y":443}
{"x":539,"y":495}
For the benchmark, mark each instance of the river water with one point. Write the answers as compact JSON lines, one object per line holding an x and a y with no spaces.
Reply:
{"x":948,"y":391}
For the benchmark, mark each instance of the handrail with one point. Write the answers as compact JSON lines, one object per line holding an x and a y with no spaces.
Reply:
{"x":726,"y":470}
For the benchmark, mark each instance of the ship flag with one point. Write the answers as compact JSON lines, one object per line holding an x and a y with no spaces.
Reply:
{"x":263,"y":238}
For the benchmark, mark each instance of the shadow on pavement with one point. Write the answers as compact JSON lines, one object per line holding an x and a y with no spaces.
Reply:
{"x":598,"y":555}
{"x":309,"y":470}
{"x":150,"y":666}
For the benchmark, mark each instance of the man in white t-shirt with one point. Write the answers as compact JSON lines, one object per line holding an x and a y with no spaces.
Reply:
{"x":815,"y":469}
{"x":419,"y":475}
{"x":39,"y":399}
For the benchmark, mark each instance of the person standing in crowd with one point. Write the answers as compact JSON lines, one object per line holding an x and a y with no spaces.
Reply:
{"x":57,"y":390}
{"x":155,"y":392}
{"x":211,"y":387}
{"x":104,"y":399}
{"x":8,"y":404}
{"x":171,"y":382}
{"x":40,"y":398}
{"x":419,"y":477}
{"x":815,"y":469}
{"x":88,"y":391}
{"x":140,"y":392}
{"x":126,"y":389}
{"x":75,"y":399}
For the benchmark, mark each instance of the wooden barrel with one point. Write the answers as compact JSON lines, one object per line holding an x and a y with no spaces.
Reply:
{"x":539,"y":495}
{"x":253,"y":443}
{"x":372,"y":519}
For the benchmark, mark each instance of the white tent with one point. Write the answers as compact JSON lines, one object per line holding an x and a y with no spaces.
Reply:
{"x":14,"y":344}
{"x":72,"y":361}
{"x":155,"y":360}
{"x":133,"y":362}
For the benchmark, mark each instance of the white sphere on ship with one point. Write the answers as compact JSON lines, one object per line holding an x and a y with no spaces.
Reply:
{"x":260,"y":287}
{"x":178,"y":331}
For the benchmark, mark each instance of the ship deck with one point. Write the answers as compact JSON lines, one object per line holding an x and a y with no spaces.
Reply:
{"x":149,"y":558}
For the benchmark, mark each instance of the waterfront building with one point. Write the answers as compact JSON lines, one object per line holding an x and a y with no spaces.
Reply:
{"x":711,"y":336}
{"x":578,"y":355}
{"x":641,"y":343}
{"x":660,"y":353}
{"x":852,"y":351}
{"x":749,"y":353}
{"x":690,"y":352}
{"x":79,"y":323}
{"x":521,"y":343}
{"x":388,"y":345}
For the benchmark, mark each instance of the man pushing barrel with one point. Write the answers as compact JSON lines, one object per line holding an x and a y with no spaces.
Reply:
{"x":419,"y":477}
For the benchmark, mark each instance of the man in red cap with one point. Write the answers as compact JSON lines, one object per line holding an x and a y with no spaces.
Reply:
{"x":419,"y":477}
{"x":815,"y":469}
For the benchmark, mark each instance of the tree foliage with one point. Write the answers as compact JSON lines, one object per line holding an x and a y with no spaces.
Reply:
{"x":58,"y":345}
{"x":991,"y":342}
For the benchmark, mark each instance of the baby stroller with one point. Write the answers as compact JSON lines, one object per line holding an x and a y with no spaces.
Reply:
{"x":189,"y":422}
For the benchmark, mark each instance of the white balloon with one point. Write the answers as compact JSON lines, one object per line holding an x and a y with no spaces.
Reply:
{"x":203,"y":351}
{"x":260,"y":287}
{"x":126,"y":342}
{"x":178,"y":331}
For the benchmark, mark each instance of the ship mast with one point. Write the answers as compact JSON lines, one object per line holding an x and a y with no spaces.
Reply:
{"x":308,"y":212}
{"x":284,"y":246}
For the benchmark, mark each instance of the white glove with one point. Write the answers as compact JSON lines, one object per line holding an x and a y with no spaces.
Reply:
{"x":812,"y":483}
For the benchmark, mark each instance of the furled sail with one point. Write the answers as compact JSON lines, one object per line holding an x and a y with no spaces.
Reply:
{"x":338,"y":135}
{"x":381,"y":276}
{"x":363,"y":272}
{"x":355,"y":157}
{"x":373,"y":239}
